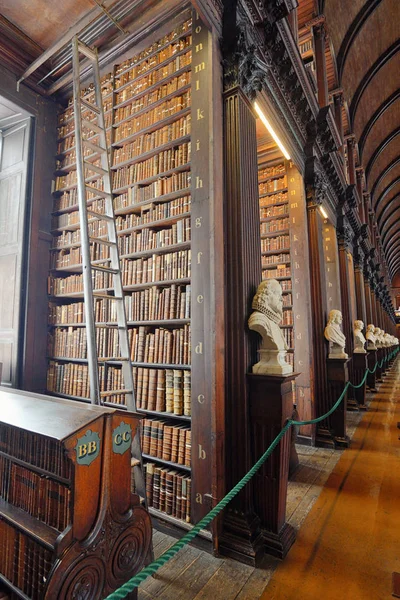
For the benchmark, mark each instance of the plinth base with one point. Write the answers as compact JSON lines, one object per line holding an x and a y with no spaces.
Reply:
{"x":242,"y":538}
{"x":327,"y":439}
{"x":279,"y":544}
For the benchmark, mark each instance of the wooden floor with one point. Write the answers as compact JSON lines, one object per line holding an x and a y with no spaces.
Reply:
{"x":196,"y":575}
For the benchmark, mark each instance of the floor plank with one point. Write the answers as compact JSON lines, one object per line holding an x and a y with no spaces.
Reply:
{"x":226,"y":583}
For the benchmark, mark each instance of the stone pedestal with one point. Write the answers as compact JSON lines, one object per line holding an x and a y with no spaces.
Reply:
{"x":331,"y":433}
{"x":271,"y":404}
{"x":360,"y":364}
{"x":371,"y":378}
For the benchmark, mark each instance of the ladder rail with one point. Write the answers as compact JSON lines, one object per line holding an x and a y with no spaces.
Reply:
{"x":85,"y":243}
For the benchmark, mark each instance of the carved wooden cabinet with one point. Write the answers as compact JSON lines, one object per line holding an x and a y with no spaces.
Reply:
{"x":70,"y":527}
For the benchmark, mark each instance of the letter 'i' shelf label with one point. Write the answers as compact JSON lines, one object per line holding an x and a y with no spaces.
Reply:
{"x":87,"y":448}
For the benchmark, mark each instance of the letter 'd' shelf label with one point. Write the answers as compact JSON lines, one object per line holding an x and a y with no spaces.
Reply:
{"x":87,"y":448}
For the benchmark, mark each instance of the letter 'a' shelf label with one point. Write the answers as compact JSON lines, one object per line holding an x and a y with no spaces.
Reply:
{"x":122,"y":438}
{"x":87,"y":448}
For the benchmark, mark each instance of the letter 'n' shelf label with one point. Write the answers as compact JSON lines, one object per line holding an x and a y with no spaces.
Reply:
{"x":122,"y":438}
{"x":87,"y":448}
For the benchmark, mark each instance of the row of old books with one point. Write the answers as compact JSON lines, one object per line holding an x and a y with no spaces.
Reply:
{"x":150,"y":141}
{"x":68,"y":143}
{"x":271,"y":226}
{"x":161,"y":46}
{"x":281,"y":242}
{"x":156,"y":165}
{"x":273,"y":259}
{"x":166,"y":109}
{"x":73,"y":256}
{"x":289,"y":337}
{"x":148,"y":65}
{"x":64,"y":181}
{"x":69,"y":127}
{"x":163,"y":440}
{"x":168,"y":69}
{"x":69,"y":198}
{"x":161,"y":346}
{"x":70,"y":379}
{"x":24,"y":562}
{"x":271,"y":199}
{"x":143,"y":101}
{"x":41,"y":497}
{"x":271,"y":171}
{"x":163,"y":186}
{"x":272,"y":185}
{"x":157,"y":390}
{"x":287,"y":317}
{"x":274,"y":211}
{"x":68,"y":113}
{"x":280,"y":271}
{"x":158,"y":267}
{"x":151,"y":304}
{"x":74,"y":283}
{"x":68,"y":161}
{"x":43,"y":453}
{"x":286,"y":285}
{"x":168,"y":490}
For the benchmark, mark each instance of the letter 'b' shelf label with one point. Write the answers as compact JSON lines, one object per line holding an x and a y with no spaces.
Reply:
{"x":87,"y":448}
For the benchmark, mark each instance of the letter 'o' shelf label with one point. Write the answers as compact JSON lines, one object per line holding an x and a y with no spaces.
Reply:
{"x":87,"y":448}
{"x":122,"y":438}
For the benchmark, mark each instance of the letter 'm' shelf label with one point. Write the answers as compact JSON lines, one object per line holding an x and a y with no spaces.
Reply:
{"x":87,"y":448}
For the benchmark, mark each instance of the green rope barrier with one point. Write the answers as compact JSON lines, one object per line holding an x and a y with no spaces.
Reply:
{"x":130,"y":585}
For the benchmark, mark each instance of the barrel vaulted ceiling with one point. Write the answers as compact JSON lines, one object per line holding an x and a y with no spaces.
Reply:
{"x":365,"y":36}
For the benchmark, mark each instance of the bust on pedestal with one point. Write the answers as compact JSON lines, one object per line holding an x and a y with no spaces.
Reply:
{"x":372,"y":354}
{"x":370,"y":335}
{"x":379,"y":354}
{"x":359,"y":339}
{"x":332,"y":431}
{"x":268,"y":310}
{"x":335,"y":336}
{"x":271,"y":386}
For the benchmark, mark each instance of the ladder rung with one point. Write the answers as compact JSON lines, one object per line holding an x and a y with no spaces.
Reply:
{"x":86,"y":51}
{"x":101,"y":193}
{"x":117,"y":358}
{"x":112,"y":392}
{"x":100,"y":216}
{"x":95,"y":168}
{"x":105,"y":269}
{"x":92,"y":126}
{"x":101,"y":241}
{"x":90,"y":106}
{"x":94,"y":147}
{"x":106,"y":296}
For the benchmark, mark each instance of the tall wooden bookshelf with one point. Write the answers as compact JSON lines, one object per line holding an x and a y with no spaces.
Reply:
{"x":148,"y":104}
{"x":275,"y":239}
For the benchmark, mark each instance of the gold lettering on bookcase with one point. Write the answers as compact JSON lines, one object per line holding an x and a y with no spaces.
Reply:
{"x":200,"y":113}
{"x":198,"y":222}
{"x":199,"y":255}
{"x":200,"y":299}
{"x":197,"y":145}
{"x":197,"y":85}
{"x":201,"y":66}
{"x":199,"y":348}
{"x":199,"y":498}
{"x":199,"y":182}
{"x":199,"y":47}
{"x":202,"y":452}
{"x":198,"y":29}
{"x":201,"y":398}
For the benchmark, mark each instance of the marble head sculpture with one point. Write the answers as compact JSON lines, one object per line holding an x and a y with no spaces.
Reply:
{"x":359,"y":339}
{"x":267,"y":306}
{"x":370,"y":335}
{"x":335,"y":336}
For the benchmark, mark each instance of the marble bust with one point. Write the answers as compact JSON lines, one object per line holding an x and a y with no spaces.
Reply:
{"x":267,"y":307}
{"x":386,"y":339}
{"x":359,"y":339}
{"x":370,"y":335}
{"x":377,"y":334}
{"x":335,"y":336}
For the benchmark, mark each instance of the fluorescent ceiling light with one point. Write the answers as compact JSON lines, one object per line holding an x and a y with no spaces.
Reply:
{"x":323,"y":212}
{"x":271,"y":131}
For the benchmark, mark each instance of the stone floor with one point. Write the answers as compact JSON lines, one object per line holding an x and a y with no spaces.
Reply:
{"x":196,"y":575}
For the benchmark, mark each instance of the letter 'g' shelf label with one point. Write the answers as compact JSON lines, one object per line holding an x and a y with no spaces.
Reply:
{"x":87,"y":448}
{"x":122,"y":438}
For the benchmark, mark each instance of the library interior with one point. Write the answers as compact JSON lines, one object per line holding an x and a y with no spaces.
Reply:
{"x":200,"y":228}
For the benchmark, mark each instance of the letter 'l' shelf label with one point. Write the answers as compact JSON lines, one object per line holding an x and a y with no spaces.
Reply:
{"x":87,"y":448}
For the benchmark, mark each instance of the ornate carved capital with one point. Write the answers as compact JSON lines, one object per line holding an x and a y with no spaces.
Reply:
{"x":278,"y":9}
{"x":364,"y":231}
{"x":328,"y":137}
{"x":351,"y":197}
{"x":344,"y":233}
{"x":316,"y":184}
{"x":316,"y":22}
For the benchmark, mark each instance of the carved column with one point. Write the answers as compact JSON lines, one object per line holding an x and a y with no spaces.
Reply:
{"x":338,"y":105}
{"x":368,"y":300}
{"x":360,"y":184}
{"x":241,"y":536}
{"x":350,"y":160}
{"x":360,"y":285}
{"x":319,"y":34}
{"x":315,"y":195}
{"x":344,"y":243}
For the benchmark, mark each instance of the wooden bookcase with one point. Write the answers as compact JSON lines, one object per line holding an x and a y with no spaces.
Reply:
{"x":275,"y":239}
{"x":66,"y":522}
{"x":161,"y":201}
